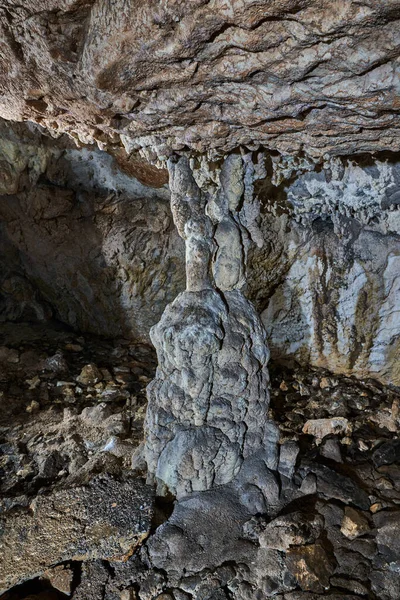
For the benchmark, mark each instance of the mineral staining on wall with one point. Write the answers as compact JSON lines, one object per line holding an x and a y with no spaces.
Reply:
{"x":337,"y":305}
{"x":209,"y":401}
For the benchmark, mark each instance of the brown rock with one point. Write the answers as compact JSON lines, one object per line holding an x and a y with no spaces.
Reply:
{"x":311,"y":566}
{"x":105,"y":519}
{"x":320,"y":428}
{"x":89,"y":375}
{"x":60,"y":578}
{"x":354,"y":523}
{"x":205,"y":75}
{"x":295,"y":529}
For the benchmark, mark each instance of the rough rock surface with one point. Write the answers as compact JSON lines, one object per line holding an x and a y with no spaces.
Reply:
{"x":325,"y":515}
{"x":208,"y":405}
{"x":106,"y":519}
{"x":293,"y":75}
{"x":279,"y":123}
{"x":82,"y":239}
{"x":325,"y":279}
{"x":328,"y":278}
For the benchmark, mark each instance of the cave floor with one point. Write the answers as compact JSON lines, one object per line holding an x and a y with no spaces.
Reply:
{"x":72,"y":407}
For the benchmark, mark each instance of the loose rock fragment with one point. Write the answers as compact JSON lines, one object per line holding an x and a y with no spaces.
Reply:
{"x":320,"y":428}
{"x":60,"y":578}
{"x":106,"y":519}
{"x":354,"y":523}
{"x":89,"y":375}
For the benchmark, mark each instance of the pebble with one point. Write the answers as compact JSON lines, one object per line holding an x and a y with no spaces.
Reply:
{"x":33,"y":407}
{"x":320,"y":428}
{"x":354,"y":523}
{"x":60,"y":578}
{"x":89,"y":375}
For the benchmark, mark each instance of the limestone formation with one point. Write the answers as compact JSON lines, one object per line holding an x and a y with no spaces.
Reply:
{"x":297,"y":76}
{"x":250,"y":152}
{"x":208,"y":405}
{"x":335,"y":264}
{"x":82,"y":240}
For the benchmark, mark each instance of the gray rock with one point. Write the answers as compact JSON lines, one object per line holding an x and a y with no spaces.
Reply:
{"x":208,"y":405}
{"x":106,"y":519}
{"x":387,"y":524}
{"x":387,"y":454}
{"x":288,"y":453}
{"x":331,"y":484}
{"x":294,"y":529}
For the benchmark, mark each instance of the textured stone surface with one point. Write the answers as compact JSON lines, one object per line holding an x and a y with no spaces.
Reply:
{"x":208,"y":405}
{"x":267,"y":105}
{"x":333,"y":241}
{"x":105,"y":519}
{"x":323,"y":271}
{"x":82,"y":240}
{"x":291,"y":74}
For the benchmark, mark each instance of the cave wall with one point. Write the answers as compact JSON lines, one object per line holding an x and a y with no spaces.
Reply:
{"x":335,"y":300}
{"x":97,"y":245}
{"x":88,"y":239}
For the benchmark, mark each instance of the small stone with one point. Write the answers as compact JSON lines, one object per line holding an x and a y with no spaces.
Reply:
{"x":374,"y":508}
{"x":309,"y":485}
{"x":387,"y":524}
{"x":346,"y":441}
{"x":384,"y":418}
{"x":287,"y":458}
{"x":387,"y":454}
{"x":89,"y":375}
{"x":106,"y":375}
{"x":294,"y":529}
{"x":326,"y":382}
{"x":320,"y":428}
{"x":362,"y":446}
{"x":33,"y":383}
{"x":73,"y":347}
{"x":56,"y":364}
{"x":9,"y":355}
{"x":283,"y":386}
{"x":354,"y":523}
{"x":60,"y":578}
{"x":330,"y":449}
{"x":128,"y":594}
{"x":395,"y":410}
{"x":304,"y":390}
{"x":311,"y":566}
{"x":144,"y":379}
{"x":33,"y":407}
{"x":350,"y":584}
{"x":384,"y":484}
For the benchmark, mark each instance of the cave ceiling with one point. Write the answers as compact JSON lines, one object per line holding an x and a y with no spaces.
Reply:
{"x":314,"y":77}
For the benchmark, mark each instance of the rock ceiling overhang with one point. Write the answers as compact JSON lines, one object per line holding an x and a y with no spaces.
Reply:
{"x":313,"y":76}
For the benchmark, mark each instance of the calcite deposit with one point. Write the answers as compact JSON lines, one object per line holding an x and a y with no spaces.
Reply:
{"x":199,"y":300}
{"x":208,"y":406}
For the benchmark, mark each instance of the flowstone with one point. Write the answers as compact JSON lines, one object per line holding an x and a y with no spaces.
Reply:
{"x":208,"y":403}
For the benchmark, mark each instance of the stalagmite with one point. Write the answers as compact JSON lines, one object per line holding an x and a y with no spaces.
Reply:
{"x":208,"y":404}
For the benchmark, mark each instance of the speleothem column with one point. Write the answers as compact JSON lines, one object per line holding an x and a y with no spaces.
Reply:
{"x":209,"y":401}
